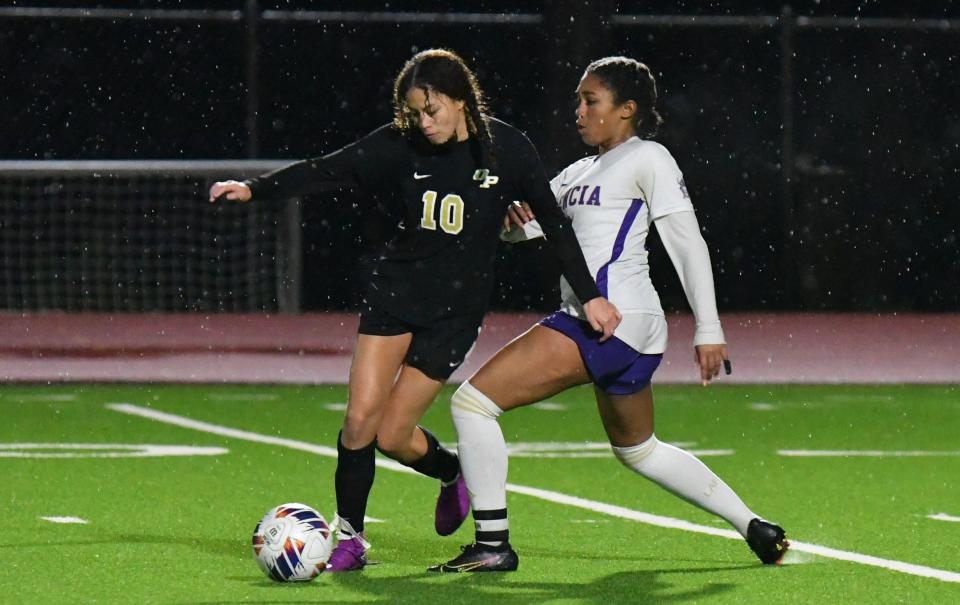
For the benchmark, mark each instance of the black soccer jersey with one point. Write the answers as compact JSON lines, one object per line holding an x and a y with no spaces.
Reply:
{"x":440,"y":262}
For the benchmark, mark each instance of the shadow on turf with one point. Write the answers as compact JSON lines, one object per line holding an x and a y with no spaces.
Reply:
{"x":506,"y":588}
{"x":234,"y":548}
{"x":213,"y":546}
{"x":511,"y":588}
{"x":575,"y":555}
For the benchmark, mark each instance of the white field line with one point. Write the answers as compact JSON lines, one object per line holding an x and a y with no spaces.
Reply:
{"x":95,"y":450}
{"x":549,"y":406}
{"x":865,"y":453}
{"x":583,"y":449}
{"x":604,"y":454}
{"x":45,"y":398}
{"x":77,"y":520}
{"x":242,"y":396}
{"x":944,"y":517}
{"x":668,"y":522}
{"x":223,"y":431}
{"x":556,"y":497}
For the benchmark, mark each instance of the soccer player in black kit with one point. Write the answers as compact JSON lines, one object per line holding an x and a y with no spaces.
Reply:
{"x":451,"y":172}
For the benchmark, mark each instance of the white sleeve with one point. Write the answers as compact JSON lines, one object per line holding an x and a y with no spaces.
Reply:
{"x":661,"y":181}
{"x":680,"y":234}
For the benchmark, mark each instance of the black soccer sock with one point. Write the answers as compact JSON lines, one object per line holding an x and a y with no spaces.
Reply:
{"x":438,"y":462}
{"x":492,"y":526}
{"x":353,"y":481}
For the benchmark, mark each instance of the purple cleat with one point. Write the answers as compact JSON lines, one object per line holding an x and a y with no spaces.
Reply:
{"x":351,"y":551}
{"x":453,"y":506}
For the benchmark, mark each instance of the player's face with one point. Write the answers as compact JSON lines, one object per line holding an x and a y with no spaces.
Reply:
{"x":439,"y":118}
{"x":601,"y":122}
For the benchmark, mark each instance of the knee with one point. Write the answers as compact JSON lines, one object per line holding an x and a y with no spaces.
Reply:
{"x":633,"y":456}
{"x":394,"y":443}
{"x":359,"y":426}
{"x":468,"y":402}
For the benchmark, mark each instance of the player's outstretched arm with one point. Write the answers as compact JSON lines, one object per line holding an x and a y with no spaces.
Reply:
{"x":230,"y":190}
{"x":602,"y":315}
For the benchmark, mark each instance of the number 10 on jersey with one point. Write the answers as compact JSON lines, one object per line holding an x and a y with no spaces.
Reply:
{"x":451,"y":212}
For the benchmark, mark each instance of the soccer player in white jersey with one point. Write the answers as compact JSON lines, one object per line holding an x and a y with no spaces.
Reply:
{"x":612,"y":199}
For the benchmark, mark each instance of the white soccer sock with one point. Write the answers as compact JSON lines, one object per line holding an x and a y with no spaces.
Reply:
{"x":483,"y":459}
{"x":682,"y":474}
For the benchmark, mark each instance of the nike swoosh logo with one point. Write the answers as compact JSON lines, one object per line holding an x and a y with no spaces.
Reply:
{"x":469,"y":566}
{"x":472,"y":565}
{"x":421,"y":176}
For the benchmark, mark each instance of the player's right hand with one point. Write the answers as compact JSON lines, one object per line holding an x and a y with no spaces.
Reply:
{"x":231,"y":190}
{"x":603,"y":316}
{"x":518,"y":213}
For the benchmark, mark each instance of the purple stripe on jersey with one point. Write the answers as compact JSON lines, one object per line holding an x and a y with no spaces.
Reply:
{"x":618,"y":243}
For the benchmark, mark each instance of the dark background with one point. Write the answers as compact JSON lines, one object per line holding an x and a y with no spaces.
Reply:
{"x":867,"y":221}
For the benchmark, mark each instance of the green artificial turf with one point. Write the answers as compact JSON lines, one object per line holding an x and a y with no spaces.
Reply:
{"x":177,"y":529}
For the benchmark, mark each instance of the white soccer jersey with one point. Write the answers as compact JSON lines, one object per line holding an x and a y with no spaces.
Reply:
{"x":612,"y":200}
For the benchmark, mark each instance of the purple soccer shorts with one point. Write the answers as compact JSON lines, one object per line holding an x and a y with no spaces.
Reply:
{"x":613,"y":365}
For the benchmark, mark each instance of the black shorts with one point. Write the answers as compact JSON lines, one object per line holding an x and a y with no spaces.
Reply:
{"x":437,"y":349}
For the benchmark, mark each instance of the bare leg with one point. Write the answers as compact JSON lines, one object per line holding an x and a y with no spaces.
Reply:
{"x":401,"y":438}
{"x":627,"y":419}
{"x":398,"y":436}
{"x":539,"y":363}
{"x":376,"y":362}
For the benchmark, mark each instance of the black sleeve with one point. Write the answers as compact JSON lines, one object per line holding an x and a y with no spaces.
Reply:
{"x":358,"y":164}
{"x":535,"y":190}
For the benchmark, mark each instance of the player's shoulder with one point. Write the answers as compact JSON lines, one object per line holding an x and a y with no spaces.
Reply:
{"x":386,"y":133}
{"x":512,"y":146}
{"x":577,"y":166}
{"x":649,"y":157}
{"x":383,"y":146}
{"x":504,"y":133}
{"x":498,"y":126}
{"x":647,"y":150}
{"x":386,"y":138}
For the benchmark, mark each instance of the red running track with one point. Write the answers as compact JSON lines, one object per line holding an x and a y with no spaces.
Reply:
{"x":316,"y":348}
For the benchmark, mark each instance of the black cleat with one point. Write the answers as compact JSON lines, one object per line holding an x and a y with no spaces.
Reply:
{"x":481,"y":557}
{"x":767,"y":541}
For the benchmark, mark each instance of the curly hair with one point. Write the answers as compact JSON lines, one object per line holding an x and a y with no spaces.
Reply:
{"x":443,"y":71}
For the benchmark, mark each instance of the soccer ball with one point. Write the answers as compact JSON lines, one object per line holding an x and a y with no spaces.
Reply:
{"x":292,"y":543}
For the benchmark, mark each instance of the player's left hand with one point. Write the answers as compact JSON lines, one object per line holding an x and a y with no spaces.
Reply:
{"x":603,"y":316}
{"x":234,"y":191}
{"x":518,"y":213}
{"x":709,"y":358}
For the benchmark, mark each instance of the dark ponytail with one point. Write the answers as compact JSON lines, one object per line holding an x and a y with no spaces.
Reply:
{"x":631,"y":80}
{"x":445,"y":72}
